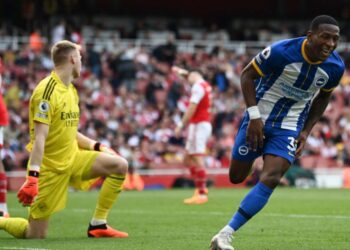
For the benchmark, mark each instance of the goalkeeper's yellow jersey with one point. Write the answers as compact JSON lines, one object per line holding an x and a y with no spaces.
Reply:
{"x":56,"y":105}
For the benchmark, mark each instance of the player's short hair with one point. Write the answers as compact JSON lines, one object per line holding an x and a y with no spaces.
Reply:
{"x":322,"y":19}
{"x":61,"y":50}
{"x":195,"y":69}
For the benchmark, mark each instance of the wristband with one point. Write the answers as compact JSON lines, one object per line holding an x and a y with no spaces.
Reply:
{"x":33,"y":173}
{"x":97,"y":146}
{"x":254,"y":112}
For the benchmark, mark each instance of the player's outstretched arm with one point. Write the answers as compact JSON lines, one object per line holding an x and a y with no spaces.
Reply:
{"x":29,"y":189}
{"x":254,"y":136}
{"x":180,"y":71}
{"x":318,"y":106}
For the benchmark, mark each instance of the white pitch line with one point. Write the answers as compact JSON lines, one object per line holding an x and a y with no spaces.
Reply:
{"x":24,"y":248}
{"x":217,"y":213}
{"x":312,"y":216}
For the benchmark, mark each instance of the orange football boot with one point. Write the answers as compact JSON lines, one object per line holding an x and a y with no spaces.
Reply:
{"x":104,"y":230}
{"x":197,"y":198}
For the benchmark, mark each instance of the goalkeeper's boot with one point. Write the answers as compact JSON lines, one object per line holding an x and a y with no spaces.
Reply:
{"x":4,"y":214}
{"x":104,"y":230}
{"x":197,"y":198}
{"x":222,"y":241}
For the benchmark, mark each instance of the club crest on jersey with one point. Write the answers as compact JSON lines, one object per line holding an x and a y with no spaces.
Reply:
{"x":243,"y":150}
{"x":44,"y":106}
{"x":320,"y":82}
{"x":266,"y":52}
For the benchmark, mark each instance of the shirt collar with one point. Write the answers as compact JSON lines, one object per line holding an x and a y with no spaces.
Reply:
{"x":305,"y":56}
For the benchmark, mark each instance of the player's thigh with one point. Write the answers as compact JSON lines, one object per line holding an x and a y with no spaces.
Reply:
{"x":102,"y":164}
{"x":198,"y":136}
{"x":107,"y":164}
{"x":242,"y":158}
{"x":279,"y":154}
{"x":81,"y":169}
{"x":37,"y":228}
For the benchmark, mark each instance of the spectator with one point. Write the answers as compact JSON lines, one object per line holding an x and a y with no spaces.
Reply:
{"x":35,"y":41}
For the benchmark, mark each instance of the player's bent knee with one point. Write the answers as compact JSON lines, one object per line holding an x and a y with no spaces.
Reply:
{"x":236,"y":176}
{"x":39,"y":236}
{"x":236,"y":179}
{"x":239,"y":171}
{"x":122,"y":166}
{"x":36,"y":234}
{"x":270,"y":181}
{"x":37,"y":229}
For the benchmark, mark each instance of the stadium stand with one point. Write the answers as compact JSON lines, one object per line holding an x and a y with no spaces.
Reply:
{"x":132,"y":101}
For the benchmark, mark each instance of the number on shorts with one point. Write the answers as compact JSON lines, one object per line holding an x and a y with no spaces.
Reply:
{"x":292,"y":144}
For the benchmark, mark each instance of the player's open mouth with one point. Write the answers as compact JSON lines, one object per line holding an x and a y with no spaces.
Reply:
{"x":326,"y":52}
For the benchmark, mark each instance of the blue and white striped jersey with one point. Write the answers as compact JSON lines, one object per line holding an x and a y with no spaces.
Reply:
{"x":289,"y":80}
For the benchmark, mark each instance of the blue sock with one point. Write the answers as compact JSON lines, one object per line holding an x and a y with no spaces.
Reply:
{"x":255,"y":200}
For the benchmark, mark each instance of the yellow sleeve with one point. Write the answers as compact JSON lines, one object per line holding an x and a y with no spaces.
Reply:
{"x":328,"y":90}
{"x":43,"y":104}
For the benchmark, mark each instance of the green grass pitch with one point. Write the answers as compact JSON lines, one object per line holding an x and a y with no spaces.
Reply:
{"x":293,"y":219}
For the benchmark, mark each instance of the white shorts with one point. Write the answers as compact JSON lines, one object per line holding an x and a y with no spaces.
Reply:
{"x":1,"y":137}
{"x":197,"y":138}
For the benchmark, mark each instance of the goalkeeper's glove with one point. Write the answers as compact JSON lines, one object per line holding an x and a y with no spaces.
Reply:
{"x":29,"y":189}
{"x":103,"y":148}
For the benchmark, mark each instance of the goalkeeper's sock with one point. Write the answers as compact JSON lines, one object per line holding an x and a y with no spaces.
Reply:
{"x":17,"y":227}
{"x":3,"y":192}
{"x":96,"y":222}
{"x":255,"y":200}
{"x":109,"y":192}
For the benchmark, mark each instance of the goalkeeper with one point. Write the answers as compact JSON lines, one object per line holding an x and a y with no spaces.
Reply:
{"x":61,"y":156}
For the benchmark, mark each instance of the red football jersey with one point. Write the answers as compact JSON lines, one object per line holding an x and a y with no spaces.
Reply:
{"x":203,"y":91}
{"x":4,"y":120}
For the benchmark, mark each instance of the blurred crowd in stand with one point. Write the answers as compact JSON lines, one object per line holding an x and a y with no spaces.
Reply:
{"x":130,"y":100}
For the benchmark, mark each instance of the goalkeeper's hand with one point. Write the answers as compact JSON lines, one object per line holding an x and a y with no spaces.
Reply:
{"x":29,"y":189}
{"x":103,"y":148}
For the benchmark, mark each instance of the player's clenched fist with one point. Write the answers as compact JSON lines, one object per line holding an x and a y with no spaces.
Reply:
{"x":29,"y":189}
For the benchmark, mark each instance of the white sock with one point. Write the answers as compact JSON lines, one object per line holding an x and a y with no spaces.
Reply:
{"x":96,"y":222}
{"x":3,"y":207}
{"x":227,"y":229}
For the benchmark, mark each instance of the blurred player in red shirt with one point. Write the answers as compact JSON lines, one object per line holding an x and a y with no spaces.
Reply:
{"x":197,"y":117}
{"x":3,"y":122}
